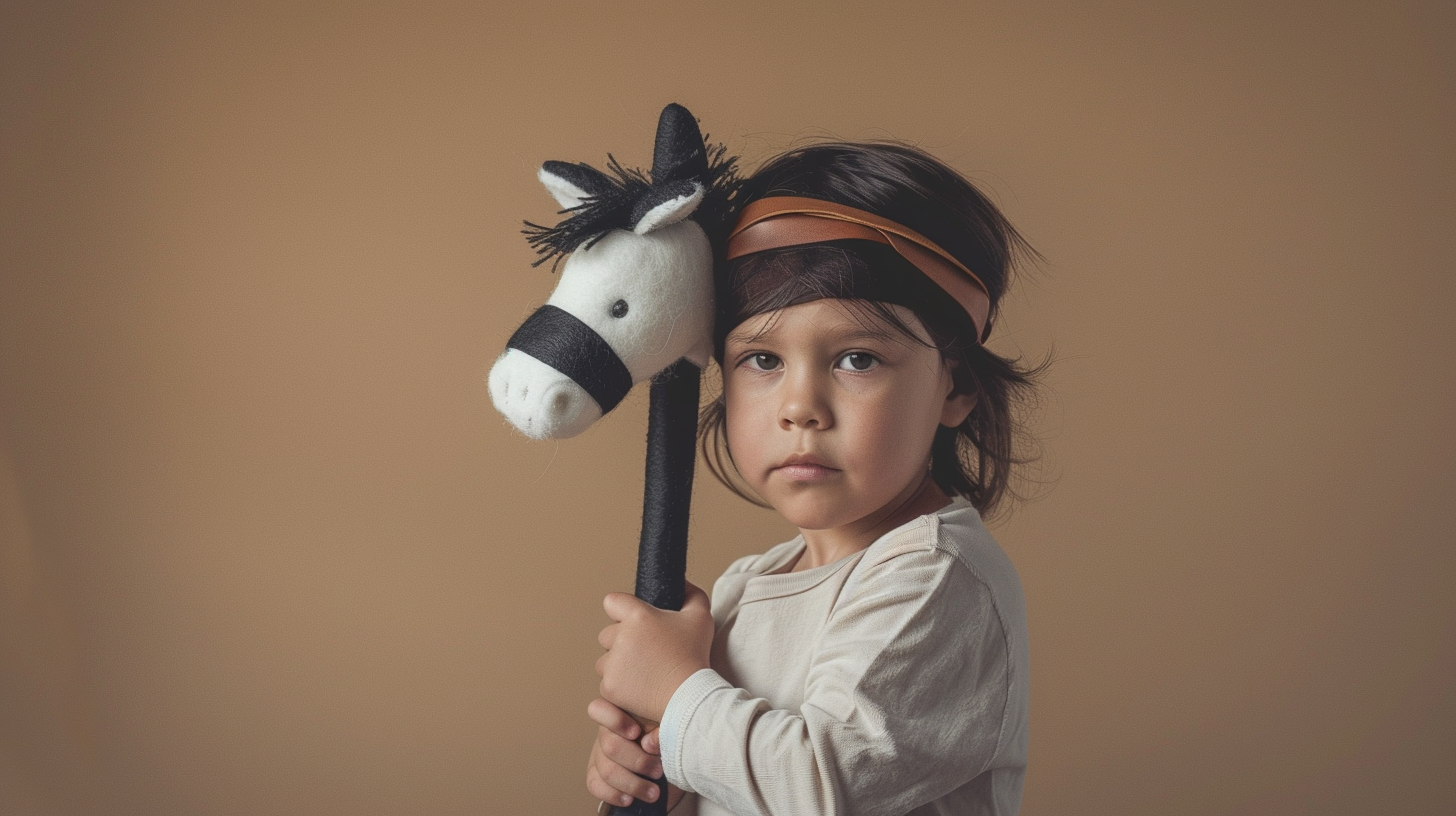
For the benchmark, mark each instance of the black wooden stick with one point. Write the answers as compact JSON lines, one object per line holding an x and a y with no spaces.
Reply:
{"x":672,"y":430}
{"x":662,"y":553}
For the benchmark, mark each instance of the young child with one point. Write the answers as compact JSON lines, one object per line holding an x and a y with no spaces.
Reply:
{"x":877,"y":663}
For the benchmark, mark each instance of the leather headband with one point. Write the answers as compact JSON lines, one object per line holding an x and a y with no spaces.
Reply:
{"x":784,"y":221}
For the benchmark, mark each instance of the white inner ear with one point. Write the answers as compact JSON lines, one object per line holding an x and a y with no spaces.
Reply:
{"x":568,"y":195}
{"x":670,"y":212}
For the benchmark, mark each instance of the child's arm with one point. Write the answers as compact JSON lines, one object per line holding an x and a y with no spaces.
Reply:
{"x":915,"y":688}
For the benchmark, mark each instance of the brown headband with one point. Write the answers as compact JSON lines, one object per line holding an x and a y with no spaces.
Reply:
{"x":784,"y":221}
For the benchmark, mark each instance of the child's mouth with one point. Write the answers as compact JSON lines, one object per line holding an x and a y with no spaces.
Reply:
{"x":804,"y":469}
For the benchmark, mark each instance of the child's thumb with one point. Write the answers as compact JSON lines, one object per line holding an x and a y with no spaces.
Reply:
{"x":651,"y":743}
{"x":694,"y":596}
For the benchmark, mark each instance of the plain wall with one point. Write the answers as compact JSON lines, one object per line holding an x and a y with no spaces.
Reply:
{"x":266,"y":548}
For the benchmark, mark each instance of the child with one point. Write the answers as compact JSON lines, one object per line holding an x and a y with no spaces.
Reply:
{"x":876,"y":663}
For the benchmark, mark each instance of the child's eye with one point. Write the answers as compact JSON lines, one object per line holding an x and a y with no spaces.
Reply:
{"x":857,"y":361}
{"x":762,"y":361}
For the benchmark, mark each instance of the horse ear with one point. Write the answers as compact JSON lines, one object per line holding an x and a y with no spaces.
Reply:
{"x":666,"y":205}
{"x":678,"y":153}
{"x":571,"y":184}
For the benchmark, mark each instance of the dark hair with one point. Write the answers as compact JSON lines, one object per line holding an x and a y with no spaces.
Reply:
{"x":910,"y":187}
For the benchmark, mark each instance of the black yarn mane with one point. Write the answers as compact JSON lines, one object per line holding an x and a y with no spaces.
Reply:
{"x":599,"y":214}
{"x":720,"y":206}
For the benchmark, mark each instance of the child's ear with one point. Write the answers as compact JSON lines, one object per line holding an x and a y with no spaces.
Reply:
{"x":957,"y":407}
{"x":958,"y":403}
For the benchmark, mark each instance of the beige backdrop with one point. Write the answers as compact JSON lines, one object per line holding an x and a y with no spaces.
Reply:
{"x":265,"y":547}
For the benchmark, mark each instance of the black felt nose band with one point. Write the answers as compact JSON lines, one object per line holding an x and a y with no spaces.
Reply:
{"x":559,"y":339}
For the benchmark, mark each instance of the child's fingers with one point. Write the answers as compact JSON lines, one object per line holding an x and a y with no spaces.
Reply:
{"x":613,"y":783}
{"x":613,"y":719}
{"x":599,"y":788}
{"x":607,"y":636}
{"x":652,"y":743}
{"x":628,"y":754}
{"x":604,"y":790}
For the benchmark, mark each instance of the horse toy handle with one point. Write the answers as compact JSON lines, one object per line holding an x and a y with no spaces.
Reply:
{"x":672,"y":425}
{"x":662,"y":552}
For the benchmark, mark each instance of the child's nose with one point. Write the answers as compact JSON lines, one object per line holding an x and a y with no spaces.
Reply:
{"x":804,"y":405}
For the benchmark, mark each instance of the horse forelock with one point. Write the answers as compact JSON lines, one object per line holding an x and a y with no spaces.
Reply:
{"x":617,"y":206}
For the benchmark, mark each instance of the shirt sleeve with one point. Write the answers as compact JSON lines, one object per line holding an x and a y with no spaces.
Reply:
{"x":906,"y":700}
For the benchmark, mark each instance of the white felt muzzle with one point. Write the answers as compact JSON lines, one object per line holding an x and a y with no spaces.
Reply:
{"x":538,"y":400}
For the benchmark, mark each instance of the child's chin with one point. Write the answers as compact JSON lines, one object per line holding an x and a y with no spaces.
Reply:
{"x":808,"y":513}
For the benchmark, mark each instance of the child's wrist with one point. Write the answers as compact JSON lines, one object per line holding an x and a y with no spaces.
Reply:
{"x":671,"y":682}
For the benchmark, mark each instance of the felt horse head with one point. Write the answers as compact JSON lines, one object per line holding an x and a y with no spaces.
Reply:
{"x":636,"y":288}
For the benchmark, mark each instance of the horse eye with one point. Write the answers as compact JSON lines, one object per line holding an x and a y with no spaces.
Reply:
{"x":619,"y":309}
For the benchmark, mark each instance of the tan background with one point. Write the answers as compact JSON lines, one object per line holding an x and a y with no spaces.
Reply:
{"x":265,"y":548}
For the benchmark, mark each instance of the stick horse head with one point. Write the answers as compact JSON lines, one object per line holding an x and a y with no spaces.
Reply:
{"x":635,"y":302}
{"x":636,"y":289}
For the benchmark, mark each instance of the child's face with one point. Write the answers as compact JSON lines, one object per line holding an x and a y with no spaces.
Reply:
{"x":829,"y":415}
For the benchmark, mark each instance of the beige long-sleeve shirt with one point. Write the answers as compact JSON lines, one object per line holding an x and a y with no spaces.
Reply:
{"x":892,"y":681}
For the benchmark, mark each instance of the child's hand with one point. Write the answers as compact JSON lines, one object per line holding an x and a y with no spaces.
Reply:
{"x":612,"y":772}
{"x":650,"y":652}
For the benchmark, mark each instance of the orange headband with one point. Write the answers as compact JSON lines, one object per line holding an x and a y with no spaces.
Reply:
{"x":784,"y":221}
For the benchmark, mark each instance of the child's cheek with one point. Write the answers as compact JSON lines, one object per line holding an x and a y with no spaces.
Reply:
{"x":898,"y":428}
{"x":749,"y":419}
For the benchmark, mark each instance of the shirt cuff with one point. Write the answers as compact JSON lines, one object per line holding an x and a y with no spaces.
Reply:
{"x":675,"y":720}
